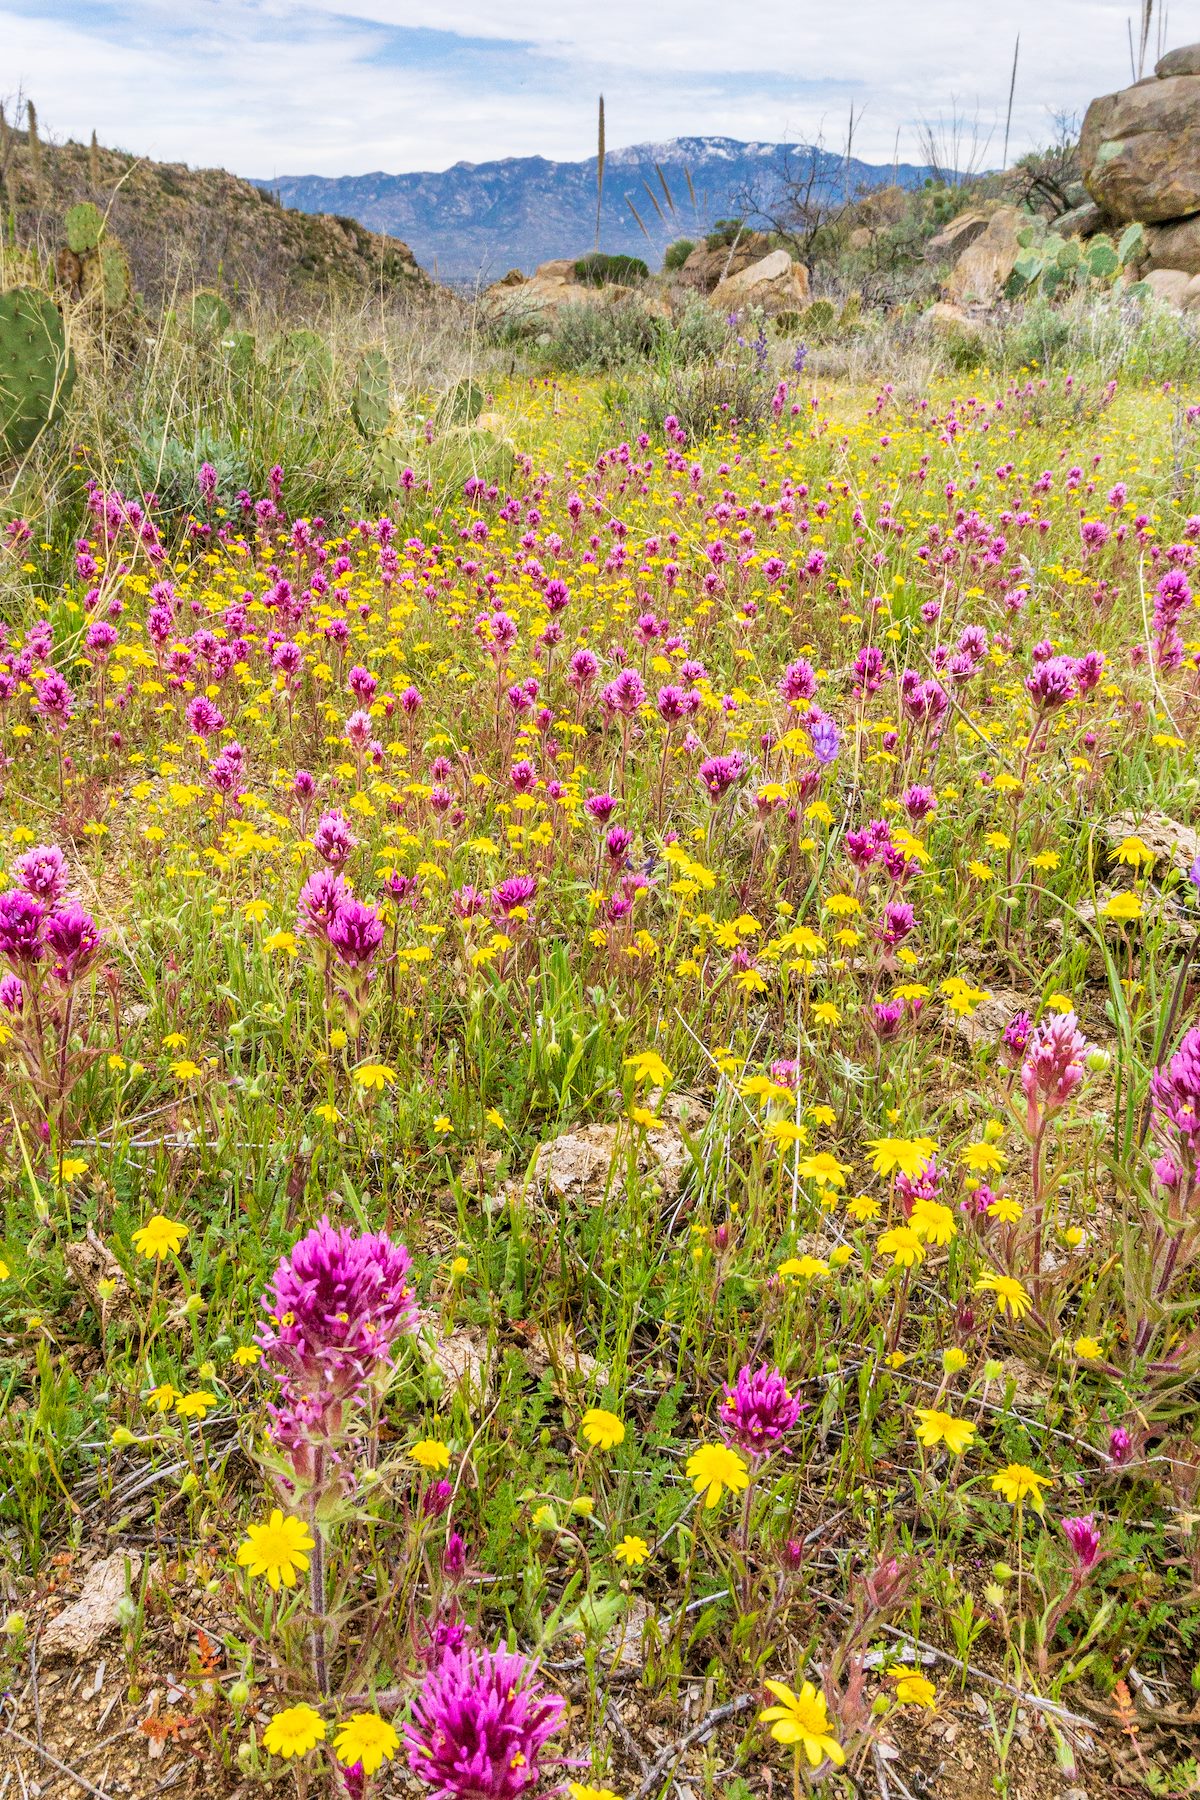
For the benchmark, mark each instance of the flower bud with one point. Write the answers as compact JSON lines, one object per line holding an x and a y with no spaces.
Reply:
{"x":239,"y":1693}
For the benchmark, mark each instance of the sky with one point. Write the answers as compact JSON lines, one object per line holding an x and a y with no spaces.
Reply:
{"x":275,"y":87}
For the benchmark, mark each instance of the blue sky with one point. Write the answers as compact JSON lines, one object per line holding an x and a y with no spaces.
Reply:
{"x":270,"y":87}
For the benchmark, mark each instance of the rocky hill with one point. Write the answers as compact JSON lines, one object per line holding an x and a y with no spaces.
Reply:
{"x":193,"y":227}
{"x":481,"y":219}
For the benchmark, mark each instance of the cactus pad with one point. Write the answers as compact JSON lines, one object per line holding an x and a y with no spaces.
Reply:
{"x":37,"y":368}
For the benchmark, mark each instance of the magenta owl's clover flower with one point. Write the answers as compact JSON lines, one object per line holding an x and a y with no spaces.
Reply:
{"x":336,"y":1305}
{"x":899,"y":921}
{"x":1053,"y":1068}
{"x":321,"y":899}
{"x":1175,"y":1117}
{"x":362,"y":684}
{"x":1052,"y":683}
{"x":12,"y":995}
{"x":925,"y":1185}
{"x":333,"y":840}
{"x":43,"y":872}
{"x":1084,"y":1539}
{"x":758,"y":1411}
{"x":624,"y":695}
{"x":55,"y":703}
{"x":480,"y":1725}
{"x":514,"y":895}
{"x":355,"y":934}
{"x":74,"y":939}
{"x":22,"y":925}
{"x":799,"y":682}
{"x":203,"y":717}
{"x":719,"y":773}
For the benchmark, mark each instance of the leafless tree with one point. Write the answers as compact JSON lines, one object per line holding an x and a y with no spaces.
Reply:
{"x":805,"y":197}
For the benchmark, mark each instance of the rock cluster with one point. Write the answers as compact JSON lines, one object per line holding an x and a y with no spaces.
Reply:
{"x":733,"y":279}
{"x":1140,"y":152}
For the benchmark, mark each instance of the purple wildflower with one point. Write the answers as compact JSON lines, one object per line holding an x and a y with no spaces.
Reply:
{"x":74,"y":938}
{"x":355,"y":934}
{"x":1084,"y":1539}
{"x":480,"y":1724}
{"x":22,"y":922}
{"x":43,"y":872}
{"x":336,"y":1305}
{"x":321,"y":899}
{"x":1053,"y":1067}
{"x":758,"y":1410}
{"x":333,"y":839}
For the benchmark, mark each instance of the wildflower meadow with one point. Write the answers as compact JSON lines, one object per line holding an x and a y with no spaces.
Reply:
{"x":600,"y":1118}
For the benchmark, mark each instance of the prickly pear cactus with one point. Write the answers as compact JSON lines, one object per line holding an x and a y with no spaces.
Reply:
{"x":820,"y":318}
{"x":208,"y":315}
{"x":370,"y":402}
{"x":464,"y":403}
{"x":37,"y":368}
{"x":106,"y":277}
{"x":84,"y":226}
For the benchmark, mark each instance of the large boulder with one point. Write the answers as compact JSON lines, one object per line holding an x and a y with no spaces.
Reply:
{"x":1171,"y":286}
{"x":774,"y":282}
{"x":955,"y":237}
{"x":1175,"y":245}
{"x":1184,"y":61}
{"x":704,"y":268}
{"x":983,"y":268}
{"x":1140,"y":149}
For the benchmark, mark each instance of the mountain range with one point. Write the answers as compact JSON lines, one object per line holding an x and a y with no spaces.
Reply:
{"x":475,"y":221}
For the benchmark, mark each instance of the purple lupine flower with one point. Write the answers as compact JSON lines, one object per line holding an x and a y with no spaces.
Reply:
{"x":336,"y":1305}
{"x":1053,"y":1067}
{"x":480,"y":1725}
{"x":824,"y":737}
{"x":321,"y":899}
{"x":758,"y":1411}
{"x":333,"y":840}
{"x":1084,"y":1539}
{"x":355,"y":934}
{"x":74,"y":939}
{"x":43,"y":872}
{"x":1194,"y":875}
{"x":22,"y":924}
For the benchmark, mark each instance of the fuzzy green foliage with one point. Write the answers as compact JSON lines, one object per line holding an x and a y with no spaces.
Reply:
{"x":371,"y":402}
{"x":599,"y":270}
{"x":37,"y":368}
{"x":84,"y":226}
{"x":676,"y":254}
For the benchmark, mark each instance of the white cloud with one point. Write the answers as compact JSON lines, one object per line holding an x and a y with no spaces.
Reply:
{"x":274,"y":86}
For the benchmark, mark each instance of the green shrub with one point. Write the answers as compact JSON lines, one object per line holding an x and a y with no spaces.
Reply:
{"x":587,"y":339}
{"x":599,"y":270}
{"x":676,"y":254}
{"x":724,"y":233}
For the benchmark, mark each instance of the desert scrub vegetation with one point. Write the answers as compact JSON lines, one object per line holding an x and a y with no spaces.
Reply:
{"x":600,"y":1075}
